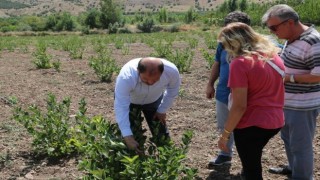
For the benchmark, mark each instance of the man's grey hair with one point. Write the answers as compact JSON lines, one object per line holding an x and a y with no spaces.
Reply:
{"x":281,"y":11}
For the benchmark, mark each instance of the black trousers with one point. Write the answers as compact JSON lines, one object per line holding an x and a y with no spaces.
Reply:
{"x":250,"y":143}
{"x":159,"y":131}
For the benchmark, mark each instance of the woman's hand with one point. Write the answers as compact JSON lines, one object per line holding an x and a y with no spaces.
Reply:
{"x":222,"y":144}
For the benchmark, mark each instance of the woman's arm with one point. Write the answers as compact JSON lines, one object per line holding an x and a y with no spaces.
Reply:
{"x":238,"y":108}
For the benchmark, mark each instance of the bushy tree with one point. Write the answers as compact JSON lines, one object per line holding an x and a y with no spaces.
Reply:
{"x":60,"y":22}
{"x":163,"y":15}
{"x":243,"y":5}
{"x":36,"y":23}
{"x":110,"y":13}
{"x":66,"y":22}
{"x":190,"y":16}
{"x":232,"y":5}
{"x":146,"y":25}
{"x":92,"y":19}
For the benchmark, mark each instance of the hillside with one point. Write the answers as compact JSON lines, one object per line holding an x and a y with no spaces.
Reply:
{"x":43,"y":7}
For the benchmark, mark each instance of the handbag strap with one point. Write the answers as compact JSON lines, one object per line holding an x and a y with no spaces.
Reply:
{"x":275,"y":67}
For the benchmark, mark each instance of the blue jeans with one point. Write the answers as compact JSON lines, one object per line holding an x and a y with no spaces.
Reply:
{"x":298,"y":134}
{"x":222,"y":112}
{"x":159,"y":131}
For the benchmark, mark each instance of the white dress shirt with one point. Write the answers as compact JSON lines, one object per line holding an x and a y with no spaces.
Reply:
{"x":130,"y":89}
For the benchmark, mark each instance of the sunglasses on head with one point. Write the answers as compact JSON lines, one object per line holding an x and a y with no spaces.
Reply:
{"x":275,"y":27}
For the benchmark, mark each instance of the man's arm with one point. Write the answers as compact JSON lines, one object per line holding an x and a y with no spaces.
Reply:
{"x":303,"y":78}
{"x":210,"y":92}
{"x":314,"y":76}
{"x":122,"y":108}
{"x":122,"y":103}
{"x":171,"y":92}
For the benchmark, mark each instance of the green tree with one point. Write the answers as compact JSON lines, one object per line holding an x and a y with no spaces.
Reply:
{"x":223,"y":7}
{"x":110,"y":13}
{"x":232,"y":5}
{"x":146,"y":25}
{"x":65,"y":22}
{"x":190,"y":16}
{"x":92,"y":19}
{"x":243,"y":5}
{"x":60,"y":22}
{"x":36,"y":23}
{"x":51,"y":22}
{"x":163,"y":15}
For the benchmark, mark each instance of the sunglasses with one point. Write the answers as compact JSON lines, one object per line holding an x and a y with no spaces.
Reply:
{"x":275,"y":27}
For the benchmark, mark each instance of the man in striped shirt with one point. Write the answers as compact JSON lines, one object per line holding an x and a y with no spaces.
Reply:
{"x":301,"y":55}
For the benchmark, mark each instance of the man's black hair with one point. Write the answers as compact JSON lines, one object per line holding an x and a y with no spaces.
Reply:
{"x":237,"y":16}
{"x":143,"y":68}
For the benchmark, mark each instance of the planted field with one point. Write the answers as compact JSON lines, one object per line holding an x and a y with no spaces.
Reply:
{"x":68,"y":66}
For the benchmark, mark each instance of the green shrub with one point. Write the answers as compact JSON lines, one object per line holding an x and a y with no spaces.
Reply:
{"x":100,"y":145}
{"x":113,"y":28}
{"x":147,"y":25}
{"x":209,"y":57}
{"x":106,"y":156}
{"x":92,"y":19}
{"x":110,"y":13}
{"x":182,"y":59}
{"x":162,"y":48}
{"x":193,"y":42}
{"x":50,"y":130}
{"x":104,"y":66}
{"x":173,"y":28}
{"x":57,"y":66}
{"x":190,"y":16}
{"x":41,"y":58}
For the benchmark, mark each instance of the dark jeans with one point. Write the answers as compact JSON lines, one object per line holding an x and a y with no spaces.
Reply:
{"x":158,"y":130}
{"x":250,"y":143}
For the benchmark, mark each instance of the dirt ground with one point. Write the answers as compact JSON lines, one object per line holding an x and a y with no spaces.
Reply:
{"x":19,"y":78}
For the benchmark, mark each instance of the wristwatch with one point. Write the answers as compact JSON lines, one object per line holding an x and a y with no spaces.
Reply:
{"x":292,"y":78}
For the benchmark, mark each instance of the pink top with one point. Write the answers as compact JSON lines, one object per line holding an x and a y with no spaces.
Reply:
{"x":265,"y":91}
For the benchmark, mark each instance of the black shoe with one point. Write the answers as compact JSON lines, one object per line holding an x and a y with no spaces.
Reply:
{"x":220,"y":160}
{"x":280,"y":170}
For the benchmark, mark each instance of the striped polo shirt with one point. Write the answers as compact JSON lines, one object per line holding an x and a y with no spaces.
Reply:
{"x":303,"y":57}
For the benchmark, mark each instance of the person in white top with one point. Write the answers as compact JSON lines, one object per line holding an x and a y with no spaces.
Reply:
{"x":147,"y":85}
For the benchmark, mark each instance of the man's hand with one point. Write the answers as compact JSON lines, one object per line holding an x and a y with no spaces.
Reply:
{"x":210,"y":91}
{"x":133,"y":144}
{"x":161,"y":117}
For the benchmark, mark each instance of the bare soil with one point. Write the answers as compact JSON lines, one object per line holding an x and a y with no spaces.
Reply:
{"x":19,"y":78}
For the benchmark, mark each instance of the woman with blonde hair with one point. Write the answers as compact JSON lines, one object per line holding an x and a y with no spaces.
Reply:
{"x":257,"y":92}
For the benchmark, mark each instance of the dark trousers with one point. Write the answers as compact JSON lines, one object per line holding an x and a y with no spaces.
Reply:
{"x":158,"y":130}
{"x":250,"y":143}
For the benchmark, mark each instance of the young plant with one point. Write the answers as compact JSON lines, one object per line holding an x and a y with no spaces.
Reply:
{"x":56,"y":65}
{"x":210,"y":42}
{"x":182,"y":59}
{"x":125,"y":50}
{"x":208,"y":57}
{"x":50,"y":130}
{"x":41,"y":58}
{"x":163,"y":49}
{"x":119,"y":43}
{"x":104,"y":66}
{"x":74,"y":46}
{"x":193,"y":43}
{"x":76,"y":51}
{"x":106,"y":156}
{"x":164,"y":162}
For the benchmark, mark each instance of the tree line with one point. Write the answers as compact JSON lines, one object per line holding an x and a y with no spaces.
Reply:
{"x":110,"y":17}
